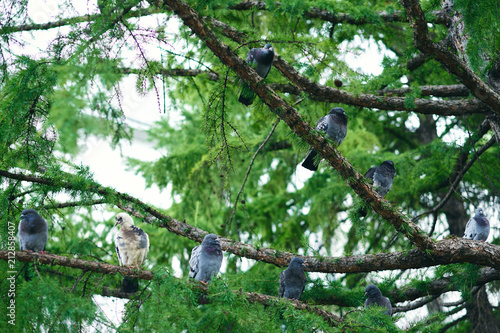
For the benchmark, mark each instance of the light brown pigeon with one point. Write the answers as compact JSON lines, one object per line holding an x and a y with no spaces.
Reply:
{"x":132,"y":246}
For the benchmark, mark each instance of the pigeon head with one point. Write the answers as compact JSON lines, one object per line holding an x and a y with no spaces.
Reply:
{"x":268,"y":46}
{"x":340,"y":114}
{"x":372,"y":291}
{"x":211,"y":240}
{"x":297,"y":262}
{"x":29,"y":214}
{"x":124,"y":219}
{"x":389,"y":165}
{"x":481,"y":218}
{"x":338,"y":111}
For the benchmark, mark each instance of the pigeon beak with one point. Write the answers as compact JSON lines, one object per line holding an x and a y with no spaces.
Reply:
{"x":366,"y":294}
{"x":22,"y":217}
{"x":116,"y":223}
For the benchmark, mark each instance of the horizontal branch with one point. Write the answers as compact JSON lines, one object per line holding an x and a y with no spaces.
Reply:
{"x":421,"y":105}
{"x":454,"y":90}
{"x":323,"y":93}
{"x":86,"y":265}
{"x":452,"y":250}
{"x":439,"y":17}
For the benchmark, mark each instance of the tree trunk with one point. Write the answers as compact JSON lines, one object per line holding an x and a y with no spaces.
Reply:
{"x":480,"y":313}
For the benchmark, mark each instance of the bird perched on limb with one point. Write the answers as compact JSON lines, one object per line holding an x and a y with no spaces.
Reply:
{"x":335,"y":126}
{"x":478,"y":227}
{"x":293,"y":280}
{"x":206,"y":259}
{"x":132,"y":246}
{"x":261,"y":60}
{"x":375,"y":298}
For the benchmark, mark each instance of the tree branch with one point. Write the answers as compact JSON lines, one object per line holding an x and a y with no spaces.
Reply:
{"x":332,"y":95}
{"x":86,"y":265}
{"x":450,"y":61}
{"x":301,"y":128}
{"x":439,"y":17}
{"x":448,"y":251}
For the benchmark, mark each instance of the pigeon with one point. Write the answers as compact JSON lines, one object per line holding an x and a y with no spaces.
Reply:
{"x":478,"y":227}
{"x":261,"y":60}
{"x":206,"y":259}
{"x":382,"y":177}
{"x":33,"y":231}
{"x":293,"y":280}
{"x":375,"y":297}
{"x":132,"y":246}
{"x":335,"y":126}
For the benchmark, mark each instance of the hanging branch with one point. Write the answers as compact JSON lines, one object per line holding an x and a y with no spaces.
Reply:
{"x":250,"y":168}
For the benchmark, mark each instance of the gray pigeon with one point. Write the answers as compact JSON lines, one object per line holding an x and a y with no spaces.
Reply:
{"x":206,"y":259}
{"x":293,"y":280}
{"x":335,"y":126}
{"x":375,"y":297}
{"x":33,"y":231}
{"x":261,"y":60}
{"x":132,"y":246}
{"x":478,"y":227}
{"x":382,"y":177}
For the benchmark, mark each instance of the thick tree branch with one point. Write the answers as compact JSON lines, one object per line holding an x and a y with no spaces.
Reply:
{"x":439,"y":17}
{"x":436,"y":287}
{"x":328,"y":94}
{"x":448,"y":251}
{"x":301,"y":128}
{"x":455,"y":90}
{"x":421,"y":105}
{"x":450,"y":61}
{"x":86,"y":265}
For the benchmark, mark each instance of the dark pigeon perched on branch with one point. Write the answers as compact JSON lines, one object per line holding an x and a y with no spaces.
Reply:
{"x":261,"y":60}
{"x":33,"y":231}
{"x":478,"y":227}
{"x":382,"y":177}
{"x":375,"y":297}
{"x":293,"y":280}
{"x":132,"y":246}
{"x":206,"y":259}
{"x":335,"y":126}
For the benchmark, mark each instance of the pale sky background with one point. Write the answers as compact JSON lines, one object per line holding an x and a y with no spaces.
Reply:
{"x":109,"y":166}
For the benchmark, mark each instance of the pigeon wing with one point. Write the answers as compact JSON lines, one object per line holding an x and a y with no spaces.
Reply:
{"x":371,"y":173}
{"x":194,"y":261}
{"x":469,"y":229}
{"x":282,"y":284}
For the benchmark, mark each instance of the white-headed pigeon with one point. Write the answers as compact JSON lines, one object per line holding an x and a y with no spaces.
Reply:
{"x":293,"y":280}
{"x":382,"y":177}
{"x":206,"y":259}
{"x":478,"y":227}
{"x":261,"y":60}
{"x":375,"y":298}
{"x":33,"y":231}
{"x":335,"y":126}
{"x":132,"y":246}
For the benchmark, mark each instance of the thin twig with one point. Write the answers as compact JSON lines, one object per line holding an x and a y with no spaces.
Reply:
{"x":249,"y":169}
{"x":78,"y":280}
{"x":457,"y":180}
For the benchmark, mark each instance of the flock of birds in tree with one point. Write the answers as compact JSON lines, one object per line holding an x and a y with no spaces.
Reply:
{"x":132,"y":243}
